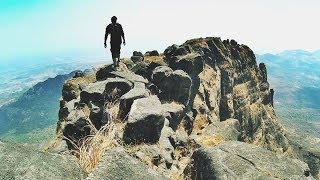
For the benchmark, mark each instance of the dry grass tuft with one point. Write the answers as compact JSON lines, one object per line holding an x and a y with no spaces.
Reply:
{"x":156,"y":59}
{"x":189,"y":56}
{"x":177,"y":176}
{"x":202,"y":42}
{"x":75,"y":82}
{"x":209,"y":141}
{"x":200,"y":122}
{"x":91,"y":150}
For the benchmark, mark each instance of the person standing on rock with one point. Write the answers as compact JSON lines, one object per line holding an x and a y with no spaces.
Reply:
{"x":116,"y":32}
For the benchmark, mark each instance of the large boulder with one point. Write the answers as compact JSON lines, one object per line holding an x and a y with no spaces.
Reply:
{"x":192,"y":63}
{"x":145,"y":121}
{"x":106,"y":90}
{"x":94,"y":92}
{"x":137,"y":57}
{"x":68,"y":112}
{"x":173,"y":51}
{"x":161,"y":72}
{"x":174,"y":112}
{"x":152,"y":53}
{"x":76,"y":132}
{"x":22,"y":162}
{"x":139,"y":91}
{"x":174,"y":85}
{"x":115,"y":88}
{"x":238,"y":160}
{"x":71,"y":89}
{"x":104,"y":72}
{"x":228,"y":129}
{"x":66,"y":108}
{"x":130,"y":76}
{"x":145,"y":69}
{"x":137,"y":53}
{"x":116,"y":164}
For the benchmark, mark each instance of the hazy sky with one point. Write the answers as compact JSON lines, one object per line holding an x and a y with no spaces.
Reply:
{"x":34,"y":27}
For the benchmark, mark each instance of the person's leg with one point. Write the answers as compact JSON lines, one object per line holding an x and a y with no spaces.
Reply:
{"x":118,"y":54}
{"x":117,"y":59}
{"x":113,"y":54}
{"x":115,"y":48}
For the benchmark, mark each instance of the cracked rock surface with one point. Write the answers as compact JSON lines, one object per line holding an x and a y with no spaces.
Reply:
{"x":238,"y":160}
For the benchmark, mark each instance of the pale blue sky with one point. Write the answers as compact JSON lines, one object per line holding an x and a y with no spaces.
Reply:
{"x":55,"y":27}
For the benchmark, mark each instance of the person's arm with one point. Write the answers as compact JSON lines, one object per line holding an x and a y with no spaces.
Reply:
{"x":122,"y":35}
{"x":106,"y":37}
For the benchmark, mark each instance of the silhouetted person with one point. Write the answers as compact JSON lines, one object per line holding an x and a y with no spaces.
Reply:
{"x":117,"y":34}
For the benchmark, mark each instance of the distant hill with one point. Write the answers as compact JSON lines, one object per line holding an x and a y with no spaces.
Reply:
{"x":17,"y":78}
{"x":295,"y":76}
{"x":36,"y":108}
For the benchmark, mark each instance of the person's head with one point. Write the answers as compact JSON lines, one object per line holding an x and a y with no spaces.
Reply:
{"x":114,"y":19}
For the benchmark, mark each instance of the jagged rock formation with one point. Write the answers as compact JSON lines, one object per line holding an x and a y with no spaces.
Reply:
{"x":169,"y":105}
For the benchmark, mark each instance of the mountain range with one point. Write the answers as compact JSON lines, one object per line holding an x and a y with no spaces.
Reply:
{"x":37,"y":108}
{"x":295,"y":77}
{"x":29,"y":96}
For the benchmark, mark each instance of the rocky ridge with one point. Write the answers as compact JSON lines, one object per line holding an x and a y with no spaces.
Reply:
{"x":206,"y":100}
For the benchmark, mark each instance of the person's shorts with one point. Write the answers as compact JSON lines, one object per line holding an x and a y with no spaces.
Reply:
{"x":115,"y":50}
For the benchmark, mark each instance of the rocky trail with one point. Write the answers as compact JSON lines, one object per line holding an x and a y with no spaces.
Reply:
{"x":200,"y":110}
